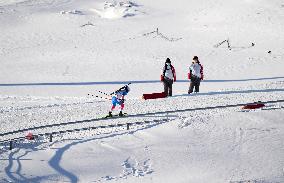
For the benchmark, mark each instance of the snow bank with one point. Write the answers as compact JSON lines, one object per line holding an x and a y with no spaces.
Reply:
{"x":117,"y":10}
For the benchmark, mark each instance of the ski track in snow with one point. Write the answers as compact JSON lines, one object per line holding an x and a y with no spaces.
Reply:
{"x":197,"y":122}
{"x":24,"y":116}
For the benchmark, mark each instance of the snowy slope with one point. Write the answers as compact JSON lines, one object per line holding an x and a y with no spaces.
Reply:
{"x":218,"y":149}
{"x":53,"y":53}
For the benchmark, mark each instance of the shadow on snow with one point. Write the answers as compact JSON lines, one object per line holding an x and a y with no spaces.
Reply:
{"x":125,"y":82}
{"x":231,"y":92}
{"x":54,"y":162}
{"x":16,"y":175}
{"x":151,"y":113}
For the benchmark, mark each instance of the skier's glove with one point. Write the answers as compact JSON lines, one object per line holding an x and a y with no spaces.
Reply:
{"x":162,"y":78}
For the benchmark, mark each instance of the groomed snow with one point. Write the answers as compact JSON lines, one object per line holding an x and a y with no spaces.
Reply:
{"x":53,"y":53}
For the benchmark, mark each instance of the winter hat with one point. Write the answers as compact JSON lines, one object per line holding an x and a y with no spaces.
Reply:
{"x":168,"y":60}
{"x":127,"y":89}
{"x":195,"y":58}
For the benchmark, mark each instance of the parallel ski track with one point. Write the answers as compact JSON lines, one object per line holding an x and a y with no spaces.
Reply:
{"x":128,"y":116}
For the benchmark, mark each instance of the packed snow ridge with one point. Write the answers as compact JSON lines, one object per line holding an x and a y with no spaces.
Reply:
{"x":115,"y":10}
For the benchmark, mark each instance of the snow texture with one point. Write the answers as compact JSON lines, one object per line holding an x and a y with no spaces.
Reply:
{"x":57,"y":55}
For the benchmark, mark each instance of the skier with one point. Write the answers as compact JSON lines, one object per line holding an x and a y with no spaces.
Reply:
{"x":119,"y":99}
{"x":168,"y":77}
{"x":195,"y":75}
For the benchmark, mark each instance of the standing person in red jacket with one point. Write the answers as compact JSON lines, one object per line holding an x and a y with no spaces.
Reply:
{"x":168,"y":77}
{"x":195,"y":75}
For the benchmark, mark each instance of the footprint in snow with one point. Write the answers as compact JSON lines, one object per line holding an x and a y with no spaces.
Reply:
{"x":131,"y":167}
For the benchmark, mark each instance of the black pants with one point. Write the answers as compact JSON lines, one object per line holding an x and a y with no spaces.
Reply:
{"x":194,"y":83}
{"x":168,"y":86}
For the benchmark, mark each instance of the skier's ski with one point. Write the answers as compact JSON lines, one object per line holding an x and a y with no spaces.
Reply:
{"x":116,"y":115}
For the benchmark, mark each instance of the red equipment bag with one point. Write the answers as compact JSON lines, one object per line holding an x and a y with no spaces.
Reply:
{"x":30,"y":136}
{"x":253,"y":106}
{"x":154,"y":95}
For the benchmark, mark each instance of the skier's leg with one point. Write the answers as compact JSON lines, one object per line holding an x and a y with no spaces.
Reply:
{"x":170,"y":88}
{"x":166,"y":88}
{"x":114,"y":102}
{"x":196,"y":88}
{"x":112,"y":108}
{"x":197,"y":85}
{"x":191,"y":85}
{"x":121,"y":106}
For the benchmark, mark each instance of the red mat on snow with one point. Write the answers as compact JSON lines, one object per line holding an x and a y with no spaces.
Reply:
{"x":154,"y":96}
{"x":253,"y":106}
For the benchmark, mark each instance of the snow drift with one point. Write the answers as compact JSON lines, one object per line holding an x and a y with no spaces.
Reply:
{"x":117,"y":10}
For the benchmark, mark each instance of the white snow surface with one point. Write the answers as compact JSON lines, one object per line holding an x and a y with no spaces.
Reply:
{"x":53,"y":53}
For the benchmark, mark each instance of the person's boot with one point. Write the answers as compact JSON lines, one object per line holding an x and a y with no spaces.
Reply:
{"x":110,"y":114}
{"x":120,"y":113}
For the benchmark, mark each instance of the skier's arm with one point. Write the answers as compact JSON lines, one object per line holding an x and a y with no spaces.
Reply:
{"x":201,"y":72}
{"x":163,"y":74}
{"x":174,"y":73}
{"x":190,"y":72}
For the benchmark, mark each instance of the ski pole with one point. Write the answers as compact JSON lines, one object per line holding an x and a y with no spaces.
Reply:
{"x":98,"y":97}
{"x":103,"y":93}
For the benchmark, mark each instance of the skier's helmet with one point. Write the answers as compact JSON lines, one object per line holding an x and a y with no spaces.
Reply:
{"x":127,"y":89}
